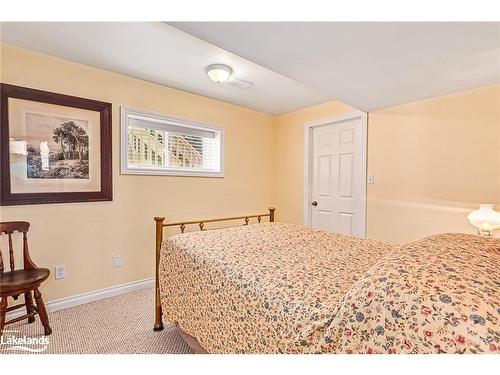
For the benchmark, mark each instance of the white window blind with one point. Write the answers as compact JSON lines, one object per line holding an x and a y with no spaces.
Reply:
{"x":158,"y":144}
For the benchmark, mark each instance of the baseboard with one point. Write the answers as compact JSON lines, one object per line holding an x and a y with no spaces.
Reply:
{"x":80,"y":299}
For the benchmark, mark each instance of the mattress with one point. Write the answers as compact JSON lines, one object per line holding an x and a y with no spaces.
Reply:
{"x":283,"y":288}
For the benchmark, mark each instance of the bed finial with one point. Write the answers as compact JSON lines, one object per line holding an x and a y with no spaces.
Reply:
{"x":159,"y":239}
{"x":271,"y":214}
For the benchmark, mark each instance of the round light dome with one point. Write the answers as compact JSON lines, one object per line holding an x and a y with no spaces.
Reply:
{"x":219,"y":72}
{"x":486,"y":219}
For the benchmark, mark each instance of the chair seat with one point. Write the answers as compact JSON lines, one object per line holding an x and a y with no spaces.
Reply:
{"x":19,"y":279}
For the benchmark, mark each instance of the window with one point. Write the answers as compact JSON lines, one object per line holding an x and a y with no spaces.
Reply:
{"x":153,"y":143}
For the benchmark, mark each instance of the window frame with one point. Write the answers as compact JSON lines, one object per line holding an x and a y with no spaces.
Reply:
{"x":160,"y":118}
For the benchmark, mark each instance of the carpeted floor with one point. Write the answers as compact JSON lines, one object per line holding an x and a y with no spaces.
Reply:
{"x":122,"y":324}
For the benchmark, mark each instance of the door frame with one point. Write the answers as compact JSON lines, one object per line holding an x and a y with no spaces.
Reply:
{"x":308,"y":129}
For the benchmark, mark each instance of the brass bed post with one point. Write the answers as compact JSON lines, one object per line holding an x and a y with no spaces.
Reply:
{"x":159,"y":238}
{"x":160,"y":224}
{"x":271,"y":214}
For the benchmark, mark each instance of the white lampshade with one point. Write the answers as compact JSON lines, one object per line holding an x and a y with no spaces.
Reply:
{"x":219,"y":72}
{"x":486,"y":219}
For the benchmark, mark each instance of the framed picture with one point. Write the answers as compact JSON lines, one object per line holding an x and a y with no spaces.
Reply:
{"x":54,"y":148}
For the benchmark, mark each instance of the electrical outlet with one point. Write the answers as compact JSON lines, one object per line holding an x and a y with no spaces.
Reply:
{"x":59,"y":272}
{"x":117,"y":261}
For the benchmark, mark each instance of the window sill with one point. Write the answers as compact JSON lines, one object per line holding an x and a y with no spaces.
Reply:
{"x":170,"y":172}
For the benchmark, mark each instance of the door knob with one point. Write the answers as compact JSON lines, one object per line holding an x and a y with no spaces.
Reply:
{"x":314,"y":203}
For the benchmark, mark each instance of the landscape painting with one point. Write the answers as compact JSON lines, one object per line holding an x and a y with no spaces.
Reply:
{"x":57,"y":147}
{"x":54,"y":148}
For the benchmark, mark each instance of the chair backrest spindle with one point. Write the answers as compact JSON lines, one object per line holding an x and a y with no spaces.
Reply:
{"x":12,"y":261}
{"x":1,"y":261}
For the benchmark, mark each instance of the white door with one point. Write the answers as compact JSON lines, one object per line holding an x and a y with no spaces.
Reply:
{"x":337,"y":176}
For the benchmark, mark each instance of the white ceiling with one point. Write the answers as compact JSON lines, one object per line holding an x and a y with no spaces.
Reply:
{"x":160,"y":53}
{"x":292,"y":65}
{"x":368,"y":65}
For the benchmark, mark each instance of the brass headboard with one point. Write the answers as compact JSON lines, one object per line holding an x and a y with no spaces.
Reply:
{"x":160,"y":225}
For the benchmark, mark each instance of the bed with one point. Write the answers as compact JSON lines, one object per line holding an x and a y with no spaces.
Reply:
{"x":282,"y":288}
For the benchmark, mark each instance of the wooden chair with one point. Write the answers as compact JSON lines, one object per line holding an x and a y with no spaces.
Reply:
{"x":21,"y":281}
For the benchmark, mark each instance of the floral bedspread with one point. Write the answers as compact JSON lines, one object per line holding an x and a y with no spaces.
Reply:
{"x":437,"y":295}
{"x":283,"y":288}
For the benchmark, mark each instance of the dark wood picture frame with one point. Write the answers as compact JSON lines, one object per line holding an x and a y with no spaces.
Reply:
{"x":7,"y":198}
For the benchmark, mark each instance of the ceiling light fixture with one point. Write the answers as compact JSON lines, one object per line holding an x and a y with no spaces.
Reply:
{"x":219,"y":73}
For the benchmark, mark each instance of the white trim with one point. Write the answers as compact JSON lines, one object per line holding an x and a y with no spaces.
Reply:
{"x":80,"y":299}
{"x":308,"y":159}
{"x":161,"y":118}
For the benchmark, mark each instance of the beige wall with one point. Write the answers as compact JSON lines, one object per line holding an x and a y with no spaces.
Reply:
{"x":85,"y":236}
{"x":289,"y":157}
{"x":434,"y":161}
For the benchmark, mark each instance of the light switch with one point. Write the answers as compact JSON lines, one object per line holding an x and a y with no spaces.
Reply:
{"x":371,"y":179}
{"x":117,"y":261}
